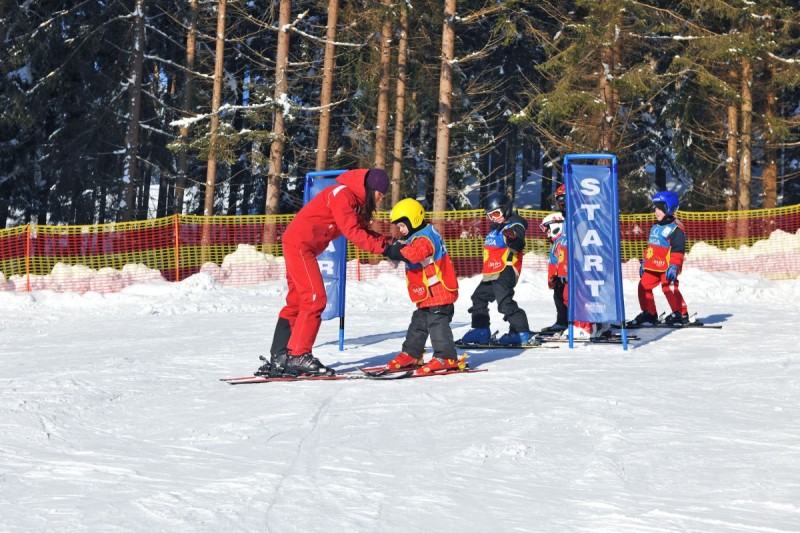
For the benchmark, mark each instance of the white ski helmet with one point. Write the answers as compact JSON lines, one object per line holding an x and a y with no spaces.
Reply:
{"x":552,"y":225}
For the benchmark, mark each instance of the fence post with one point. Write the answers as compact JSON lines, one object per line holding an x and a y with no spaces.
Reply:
{"x":177,"y":226}
{"x":28,"y":259}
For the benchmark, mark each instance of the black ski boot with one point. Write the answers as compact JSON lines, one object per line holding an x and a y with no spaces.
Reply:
{"x":644,"y":319}
{"x":555,"y":328}
{"x":277,"y":364}
{"x":306,"y":365}
{"x":273,"y":367}
{"x":676,"y":320}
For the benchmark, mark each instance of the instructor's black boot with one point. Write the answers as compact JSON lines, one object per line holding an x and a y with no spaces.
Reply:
{"x":278,"y":364}
{"x":306,"y":365}
{"x":676,"y":319}
{"x":644,"y":319}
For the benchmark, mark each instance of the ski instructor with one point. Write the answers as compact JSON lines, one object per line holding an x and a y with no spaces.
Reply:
{"x":342,"y":209}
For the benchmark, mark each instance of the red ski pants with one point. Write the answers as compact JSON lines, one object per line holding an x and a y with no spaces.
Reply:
{"x":587,"y":326}
{"x":306,"y":299}
{"x":650,"y":280}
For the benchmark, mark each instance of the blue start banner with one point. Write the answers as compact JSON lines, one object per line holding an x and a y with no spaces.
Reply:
{"x":594,"y":270}
{"x":332,"y":261}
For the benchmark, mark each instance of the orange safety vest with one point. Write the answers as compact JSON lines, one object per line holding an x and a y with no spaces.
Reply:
{"x":434,"y":270}
{"x":497,"y":255}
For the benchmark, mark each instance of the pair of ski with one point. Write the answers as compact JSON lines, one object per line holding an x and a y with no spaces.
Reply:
{"x":693,"y":323}
{"x":377,"y":373}
{"x":549,"y":341}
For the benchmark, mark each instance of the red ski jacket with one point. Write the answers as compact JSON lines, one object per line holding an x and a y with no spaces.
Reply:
{"x":332,"y":213}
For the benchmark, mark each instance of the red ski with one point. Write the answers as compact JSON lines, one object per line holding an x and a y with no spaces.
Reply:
{"x":375,"y":375}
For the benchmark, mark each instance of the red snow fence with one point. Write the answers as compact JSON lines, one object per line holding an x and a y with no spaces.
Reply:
{"x":247,"y":250}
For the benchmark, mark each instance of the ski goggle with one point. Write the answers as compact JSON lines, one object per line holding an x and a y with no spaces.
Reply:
{"x":549,"y":229}
{"x":495,"y":215}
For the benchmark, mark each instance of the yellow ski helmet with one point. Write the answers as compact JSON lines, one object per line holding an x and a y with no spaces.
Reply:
{"x":410,"y":210}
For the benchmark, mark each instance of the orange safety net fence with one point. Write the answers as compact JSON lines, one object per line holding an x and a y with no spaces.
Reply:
{"x":245,"y":250}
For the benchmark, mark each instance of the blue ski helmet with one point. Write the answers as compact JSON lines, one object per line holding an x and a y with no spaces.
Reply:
{"x":669,"y":199}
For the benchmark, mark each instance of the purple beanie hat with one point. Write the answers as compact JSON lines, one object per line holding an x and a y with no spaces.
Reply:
{"x":377,"y":180}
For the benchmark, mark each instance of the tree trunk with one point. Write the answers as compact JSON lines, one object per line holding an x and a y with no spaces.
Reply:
{"x":4,"y":210}
{"x":445,"y":95}
{"x":745,"y":145}
{"x":163,"y":195}
{"x":187,"y":107}
{"x":547,"y":200}
{"x":661,"y":173}
{"x":273,"y":203}
{"x":731,"y":169}
{"x":235,"y":186}
{"x":382,"y":119}
{"x":731,"y":163}
{"x":3,"y":32}
{"x":101,"y":201}
{"x":609,"y":97}
{"x":400,"y":105}
{"x":131,"y":162}
{"x":770,"y":174}
{"x":143,"y":203}
{"x":219,"y":61}
{"x":248,"y":196}
{"x":329,"y":63}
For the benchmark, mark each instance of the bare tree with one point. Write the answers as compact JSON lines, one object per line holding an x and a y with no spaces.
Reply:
{"x":278,"y":126}
{"x":382,"y":119}
{"x":188,"y":97}
{"x":769,"y":176}
{"x":746,"y":142}
{"x":731,"y":162}
{"x":328,"y":64}
{"x":731,"y":166}
{"x":608,"y":94}
{"x":211,"y":173}
{"x":130,"y":169}
{"x":445,"y":97}
{"x":400,"y":104}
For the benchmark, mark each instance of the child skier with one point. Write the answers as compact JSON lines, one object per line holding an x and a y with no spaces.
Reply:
{"x":663,"y":259}
{"x":432,"y":286}
{"x":557,"y":274}
{"x":502,"y":264}
{"x":557,"y":271}
{"x":552,"y":226}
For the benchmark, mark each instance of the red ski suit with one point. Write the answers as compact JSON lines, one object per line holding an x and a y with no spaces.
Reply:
{"x":330,"y":214}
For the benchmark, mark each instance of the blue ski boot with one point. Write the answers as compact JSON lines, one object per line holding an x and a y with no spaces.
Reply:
{"x":515,"y":338}
{"x":477,"y":336}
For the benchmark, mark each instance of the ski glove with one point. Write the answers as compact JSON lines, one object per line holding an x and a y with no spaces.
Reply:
{"x":641,"y":269}
{"x":392,"y":251}
{"x":672,"y":273}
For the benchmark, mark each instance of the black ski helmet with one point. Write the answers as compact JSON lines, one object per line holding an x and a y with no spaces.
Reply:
{"x":498,"y":200}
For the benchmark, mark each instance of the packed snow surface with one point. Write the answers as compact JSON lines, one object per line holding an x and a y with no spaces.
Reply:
{"x":113,"y":418}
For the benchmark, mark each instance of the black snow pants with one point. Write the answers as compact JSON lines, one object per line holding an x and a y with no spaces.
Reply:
{"x":433,"y":322}
{"x":502,"y":291}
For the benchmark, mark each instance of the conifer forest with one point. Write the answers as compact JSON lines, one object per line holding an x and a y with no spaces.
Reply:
{"x":221,"y":107}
